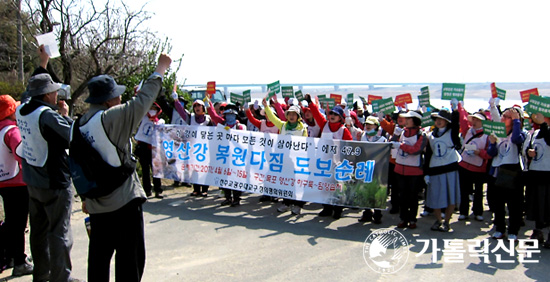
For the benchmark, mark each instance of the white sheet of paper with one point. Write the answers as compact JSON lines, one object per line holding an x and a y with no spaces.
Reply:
{"x":470,"y":147}
{"x":50,"y":44}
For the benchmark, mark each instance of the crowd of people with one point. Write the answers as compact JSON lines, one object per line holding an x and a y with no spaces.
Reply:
{"x":446,"y":163}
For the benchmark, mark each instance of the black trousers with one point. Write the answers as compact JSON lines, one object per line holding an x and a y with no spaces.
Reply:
{"x":143,"y":152}
{"x":392,"y":185}
{"x":471,"y":182}
{"x":236,"y":194}
{"x":289,"y":202}
{"x":198,"y":188}
{"x":513,"y":199}
{"x":120,"y":231}
{"x":16,"y":211}
{"x":408,"y":196}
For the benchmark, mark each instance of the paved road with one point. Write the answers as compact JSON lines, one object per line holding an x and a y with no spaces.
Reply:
{"x":195,"y":239}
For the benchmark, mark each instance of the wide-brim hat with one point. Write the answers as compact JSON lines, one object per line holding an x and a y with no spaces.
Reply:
{"x":372,"y":120}
{"x":231,"y":108}
{"x":41,"y":84}
{"x":537,"y":118}
{"x":442,"y":114}
{"x":198,"y":101}
{"x":339,"y":111}
{"x":294,"y":109}
{"x":411,"y":114}
{"x":7,"y":106}
{"x":478,"y":115}
{"x":103,"y":88}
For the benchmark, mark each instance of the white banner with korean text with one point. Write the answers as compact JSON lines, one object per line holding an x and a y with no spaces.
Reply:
{"x":343,"y":173}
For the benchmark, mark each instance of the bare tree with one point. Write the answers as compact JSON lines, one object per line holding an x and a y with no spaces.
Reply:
{"x":107,"y":39}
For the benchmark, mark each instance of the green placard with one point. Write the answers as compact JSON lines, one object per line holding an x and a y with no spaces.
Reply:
{"x":331,"y":102}
{"x":526,"y":124}
{"x":453,"y":90}
{"x":274,"y":88}
{"x":383,"y":105}
{"x":288,"y":91}
{"x":538,"y":104}
{"x":363,"y":100}
{"x":324,"y":96}
{"x":299,"y":95}
{"x":501,"y":93}
{"x":349,"y":100}
{"x":498,"y":128}
{"x":236,"y":98}
{"x":424,"y":100}
{"x":425,"y":91}
{"x":427,"y":119}
{"x":247,"y":96}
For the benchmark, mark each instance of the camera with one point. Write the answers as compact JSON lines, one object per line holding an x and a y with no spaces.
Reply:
{"x":64,"y":93}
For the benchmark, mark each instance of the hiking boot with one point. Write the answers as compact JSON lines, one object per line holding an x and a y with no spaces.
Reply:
{"x":436,"y":225}
{"x":498,"y":235}
{"x":445,"y":227}
{"x":265,"y":198}
{"x":325,"y":212}
{"x":296,"y":210}
{"x":366,"y":217}
{"x":22,"y":269}
{"x":283,"y":208}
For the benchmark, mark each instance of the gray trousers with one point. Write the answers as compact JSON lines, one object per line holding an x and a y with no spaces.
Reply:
{"x":51,"y":238}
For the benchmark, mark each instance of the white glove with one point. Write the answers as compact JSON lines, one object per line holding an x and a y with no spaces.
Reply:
{"x":398,"y":130}
{"x":491,"y":102}
{"x":395,"y":144}
{"x":424,"y":109}
{"x":497,"y":101}
{"x":380,"y":116}
{"x":256,"y":106}
{"x":454,"y":104}
{"x":427,"y":179}
{"x":174,"y":95}
{"x":349,"y":121}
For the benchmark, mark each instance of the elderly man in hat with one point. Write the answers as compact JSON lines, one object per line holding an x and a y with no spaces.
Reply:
{"x":117,"y":218}
{"x":45,"y":129}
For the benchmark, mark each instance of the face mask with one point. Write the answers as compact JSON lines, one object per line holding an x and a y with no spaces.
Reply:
{"x":371,"y":132}
{"x":230,"y":119}
{"x":152,"y":113}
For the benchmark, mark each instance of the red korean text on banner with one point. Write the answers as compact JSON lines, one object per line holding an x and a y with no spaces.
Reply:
{"x":373,"y":98}
{"x":401,"y":100}
{"x":337,"y":98}
{"x":494,"y":92}
{"x":211,"y":88}
{"x":526,"y":93}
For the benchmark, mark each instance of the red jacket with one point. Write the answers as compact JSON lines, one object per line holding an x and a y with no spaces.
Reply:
{"x":12,"y":140}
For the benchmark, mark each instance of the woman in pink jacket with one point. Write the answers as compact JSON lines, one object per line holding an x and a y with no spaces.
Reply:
{"x":13,"y":191}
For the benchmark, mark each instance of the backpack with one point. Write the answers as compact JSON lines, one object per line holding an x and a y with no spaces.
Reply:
{"x":92,"y":176}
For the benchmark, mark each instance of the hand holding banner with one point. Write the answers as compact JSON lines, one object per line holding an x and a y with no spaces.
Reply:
{"x":525,"y":94}
{"x":288,"y":91}
{"x":453,"y":90}
{"x":337,"y":98}
{"x":538,"y":104}
{"x":210,"y":88}
{"x":498,"y":128}
{"x":383,"y":105}
{"x":274,"y":88}
{"x":401,"y":100}
{"x":373,"y":98}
